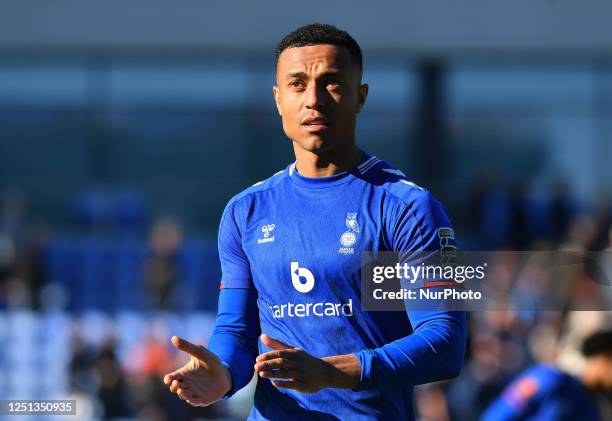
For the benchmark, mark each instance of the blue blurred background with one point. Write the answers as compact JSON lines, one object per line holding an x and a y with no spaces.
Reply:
{"x":125,"y":129}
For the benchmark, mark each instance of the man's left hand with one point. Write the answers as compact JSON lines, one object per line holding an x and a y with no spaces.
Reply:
{"x":293,"y":368}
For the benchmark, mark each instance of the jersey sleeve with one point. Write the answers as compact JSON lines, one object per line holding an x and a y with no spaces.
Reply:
{"x":418,"y":230}
{"x":234,"y":338}
{"x":422,"y":233}
{"x":235,"y":268}
{"x":235,"y":335}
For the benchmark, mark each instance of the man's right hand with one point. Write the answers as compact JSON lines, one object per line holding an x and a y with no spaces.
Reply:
{"x":203,"y":380}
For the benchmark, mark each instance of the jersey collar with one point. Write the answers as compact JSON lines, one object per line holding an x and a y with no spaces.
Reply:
{"x":367,"y":162}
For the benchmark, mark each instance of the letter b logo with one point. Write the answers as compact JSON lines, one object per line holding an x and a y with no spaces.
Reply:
{"x":296,"y":273}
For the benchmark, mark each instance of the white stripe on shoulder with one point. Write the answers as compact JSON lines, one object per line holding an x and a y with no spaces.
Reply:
{"x":291,"y":168}
{"x":276,"y":173}
{"x":410,"y":183}
{"x":394,"y":171}
{"x":366,"y":163}
{"x":370,"y":165}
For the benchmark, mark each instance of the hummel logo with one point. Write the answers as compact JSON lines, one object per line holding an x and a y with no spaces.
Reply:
{"x":266,"y":229}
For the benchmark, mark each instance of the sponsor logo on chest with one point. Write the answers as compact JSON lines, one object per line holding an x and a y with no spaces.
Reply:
{"x":349,"y":237}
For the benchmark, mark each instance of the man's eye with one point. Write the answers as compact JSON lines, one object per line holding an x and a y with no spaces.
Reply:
{"x":296,"y":84}
{"x":333,"y":83}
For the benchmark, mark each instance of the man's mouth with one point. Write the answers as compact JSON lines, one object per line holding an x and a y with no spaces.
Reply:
{"x":315,"y":124}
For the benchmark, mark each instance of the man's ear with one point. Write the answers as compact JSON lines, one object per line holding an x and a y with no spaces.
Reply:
{"x":276,"y":92}
{"x":361,"y":98}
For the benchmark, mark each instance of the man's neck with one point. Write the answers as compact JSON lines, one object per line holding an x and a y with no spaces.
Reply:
{"x":314,"y":165}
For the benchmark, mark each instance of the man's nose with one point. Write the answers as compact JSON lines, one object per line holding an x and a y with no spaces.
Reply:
{"x":314,"y":96}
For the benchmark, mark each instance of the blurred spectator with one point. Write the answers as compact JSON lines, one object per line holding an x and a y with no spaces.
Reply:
{"x":547,"y":392}
{"x":165,"y":241}
{"x":582,"y":234}
{"x":605,"y":263}
{"x":578,"y":325}
{"x":431,"y":403}
{"x":81,"y":366}
{"x":22,"y":269}
{"x":7,"y":269}
{"x":21,"y":244}
{"x":30,"y":264}
{"x":112,"y":389}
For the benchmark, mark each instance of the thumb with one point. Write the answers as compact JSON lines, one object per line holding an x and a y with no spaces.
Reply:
{"x":274,"y":343}
{"x":196,"y":351}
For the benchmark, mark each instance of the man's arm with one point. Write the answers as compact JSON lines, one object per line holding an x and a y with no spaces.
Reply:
{"x":418,"y":229}
{"x":234,"y":338}
{"x":434,"y":351}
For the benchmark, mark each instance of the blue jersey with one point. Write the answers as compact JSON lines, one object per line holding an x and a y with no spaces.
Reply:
{"x":544,"y":393}
{"x":292,"y":244}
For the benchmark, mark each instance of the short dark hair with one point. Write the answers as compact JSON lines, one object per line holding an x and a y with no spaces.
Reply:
{"x":320,"y":33}
{"x":598,"y":343}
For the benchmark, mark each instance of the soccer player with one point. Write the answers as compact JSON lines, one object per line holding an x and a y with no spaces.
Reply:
{"x":547,"y":393}
{"x":289,"y":304}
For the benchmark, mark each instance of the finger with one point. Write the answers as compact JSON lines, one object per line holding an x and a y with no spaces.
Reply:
{"x":175,"y":386}
{"x":281,"y":374}
{"x":289,"y":384}
{"x":277,"y":363}
{"x":196,"y":401}
{"x":185,"y":395}
{"x":194,"y":350}
{"x":188,"y":384}
{"x":270,"y":355}
{"x":175,"y":375}
{"x":274,"y":343}
{"x":193,"y":399}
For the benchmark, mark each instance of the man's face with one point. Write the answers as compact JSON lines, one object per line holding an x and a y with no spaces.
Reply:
{"x":604,"y":364}
{"x":318,"y":94}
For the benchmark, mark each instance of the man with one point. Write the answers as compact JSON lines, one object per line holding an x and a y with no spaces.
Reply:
{"x":547,"y":393}
{"x":290,"y":254}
